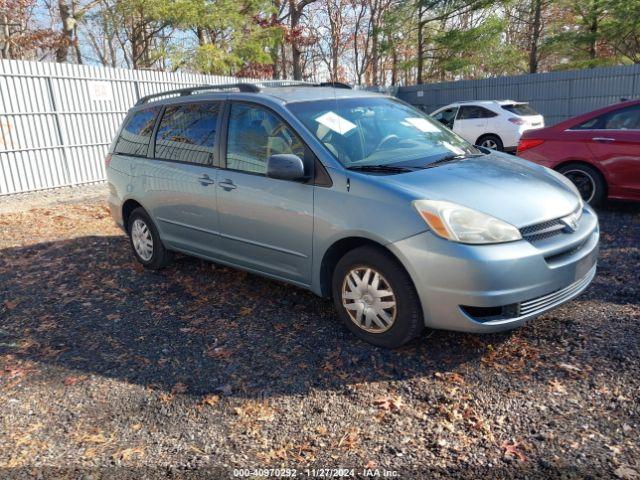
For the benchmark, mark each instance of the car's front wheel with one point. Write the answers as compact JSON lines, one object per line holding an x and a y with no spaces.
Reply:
{"x":376,"y":299}
{"x":493,"y":142}
{"x":145,"y":241}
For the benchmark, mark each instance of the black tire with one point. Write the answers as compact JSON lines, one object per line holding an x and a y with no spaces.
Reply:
{"x":588,"y":181}
{"x":408,"y":322}
{"x":160,"y":256}
{"x":491,"y":138}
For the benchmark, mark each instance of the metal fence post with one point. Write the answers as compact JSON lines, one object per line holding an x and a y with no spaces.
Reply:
{"x":62,"y":143}
{"x":136,"y":86}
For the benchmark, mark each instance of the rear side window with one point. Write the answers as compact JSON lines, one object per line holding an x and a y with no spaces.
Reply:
{"x":469,"y":112}
{"x":254,"y":135}
{"x":522,"y":109}
{"x":446,"y":116}
{"x":187,"y":133}
{"x":623,"y":119}
{"x":135,"y":135}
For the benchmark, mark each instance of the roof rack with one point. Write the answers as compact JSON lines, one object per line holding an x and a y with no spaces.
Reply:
{"x":243,"y":87}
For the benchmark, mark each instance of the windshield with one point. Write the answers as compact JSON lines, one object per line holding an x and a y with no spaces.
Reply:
{"x":522,"y":109}
{"x":379,"y":131}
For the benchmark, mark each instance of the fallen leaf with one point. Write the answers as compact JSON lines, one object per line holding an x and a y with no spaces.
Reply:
{"x":71,"y":380}
{"x":349,"y":440}
{"x":211,"y":400}
{"x":626,"y":473}
{"x":10,"y":305}
{"x":128,"y":453}
{"x":451,"y":377}
{"x":569,"y":368}
{"x":512,"y":449}
{"x":388,"y":403}
{"x":179,"y":388}
{"x":556,"y":386}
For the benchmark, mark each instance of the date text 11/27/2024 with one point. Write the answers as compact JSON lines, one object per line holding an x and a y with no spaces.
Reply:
{"x":316,"y":472}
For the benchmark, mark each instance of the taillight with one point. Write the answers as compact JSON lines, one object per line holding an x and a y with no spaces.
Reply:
{"x":527,"y":143}
{"x":516,"y":121}
{"x":107,"y":160}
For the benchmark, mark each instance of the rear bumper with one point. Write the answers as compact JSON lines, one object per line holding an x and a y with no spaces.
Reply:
{"x":518,"y":280}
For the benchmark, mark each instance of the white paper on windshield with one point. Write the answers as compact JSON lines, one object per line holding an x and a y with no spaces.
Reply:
{"x":454,"y":149}
{"x":335,"y":122}
{"x":422,"y":124}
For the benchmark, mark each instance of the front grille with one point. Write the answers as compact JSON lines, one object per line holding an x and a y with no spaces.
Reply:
{"x":542,"y":231}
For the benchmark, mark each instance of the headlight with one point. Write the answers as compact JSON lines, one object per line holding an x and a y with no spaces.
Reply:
{"x":461,"y":224}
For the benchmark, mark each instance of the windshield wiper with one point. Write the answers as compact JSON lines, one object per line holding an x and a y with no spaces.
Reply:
{"x":380,"y":168}
{"x":453,"y":157}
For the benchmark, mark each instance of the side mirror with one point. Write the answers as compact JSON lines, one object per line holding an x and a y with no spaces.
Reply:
{"x":285,"y":166}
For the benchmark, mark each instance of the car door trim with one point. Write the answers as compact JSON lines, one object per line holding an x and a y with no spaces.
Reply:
{"x":191,"y":227}
{"x":263,"y":245}
{"x":233,"y":237}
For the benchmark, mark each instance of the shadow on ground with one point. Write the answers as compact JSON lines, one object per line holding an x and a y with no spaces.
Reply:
{"x":197,"y":328}
{"x":84,"y":304}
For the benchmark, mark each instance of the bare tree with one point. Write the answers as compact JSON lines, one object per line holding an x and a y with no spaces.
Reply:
{"x":296,"y":10}
{"x":70,"y":13}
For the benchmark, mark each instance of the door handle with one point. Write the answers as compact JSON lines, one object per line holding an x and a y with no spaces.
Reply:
{"x":603,"y":139}
{"x":205,"y":180}
{"x":228,"y":185}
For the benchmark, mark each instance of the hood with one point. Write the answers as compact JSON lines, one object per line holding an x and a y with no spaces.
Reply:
{"x":509,"y":188}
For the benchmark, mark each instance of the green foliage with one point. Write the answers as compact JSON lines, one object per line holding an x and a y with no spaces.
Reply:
{"x":478,"y":52}
{"x":622,"y":28}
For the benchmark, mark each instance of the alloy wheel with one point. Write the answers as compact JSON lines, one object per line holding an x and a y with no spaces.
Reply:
{"x":584,"y":182}
{"x":489,"y":143}
{"x":369,"y":300}
{"x":142,"y":239}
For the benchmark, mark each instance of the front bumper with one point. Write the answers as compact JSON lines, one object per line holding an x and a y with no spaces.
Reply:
{"x":524,"y":279}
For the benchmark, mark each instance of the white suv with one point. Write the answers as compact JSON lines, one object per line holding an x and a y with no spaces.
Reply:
{"x":495,"y":124}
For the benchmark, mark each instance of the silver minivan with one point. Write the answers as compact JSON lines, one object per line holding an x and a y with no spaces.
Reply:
{"x":355,"y":196}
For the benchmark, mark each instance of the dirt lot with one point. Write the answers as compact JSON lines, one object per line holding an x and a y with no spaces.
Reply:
{"x":107,"y":368}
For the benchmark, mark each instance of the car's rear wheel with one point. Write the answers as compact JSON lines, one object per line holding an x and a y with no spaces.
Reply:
{"x":375,"y":298}
{"x":493,"y":142}
{"x":145,"y":241}
{"x":587,"y":180}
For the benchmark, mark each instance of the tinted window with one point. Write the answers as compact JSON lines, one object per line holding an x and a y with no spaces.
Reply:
{"x":254,"y":135}
{"x":187,"y":133}
{"x":469,"y":112}
{"x":623,"y":119}
{"x":135,"y":136}
{"x":522,"y":109}
{"x":446,"y":116}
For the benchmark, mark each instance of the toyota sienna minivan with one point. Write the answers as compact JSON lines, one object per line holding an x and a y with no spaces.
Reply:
{"x":355,"y":196}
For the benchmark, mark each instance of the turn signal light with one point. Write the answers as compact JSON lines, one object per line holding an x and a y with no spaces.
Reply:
{"x":527,"y":143}
{"x":107,"y":160}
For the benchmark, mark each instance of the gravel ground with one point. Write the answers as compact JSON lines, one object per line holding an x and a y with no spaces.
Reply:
{"x":110,"y":369}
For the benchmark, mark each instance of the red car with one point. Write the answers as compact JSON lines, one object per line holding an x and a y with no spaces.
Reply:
{"x":598,"y":151}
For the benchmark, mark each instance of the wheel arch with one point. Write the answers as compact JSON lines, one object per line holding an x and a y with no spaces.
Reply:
{"x":488,"y":134}
{"x":127,"y":207}
{"x":337,"y":250}
{"x":602,"y":174}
